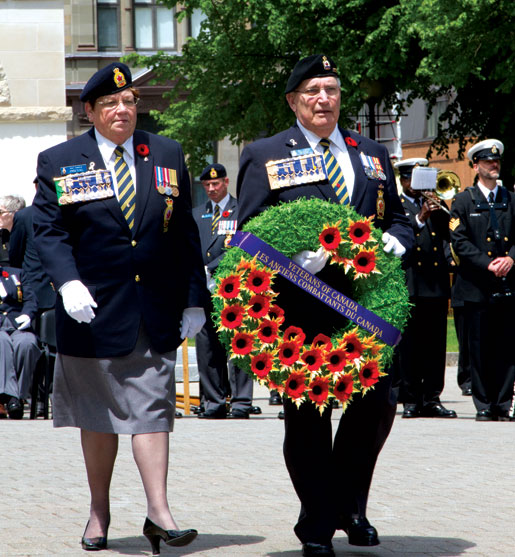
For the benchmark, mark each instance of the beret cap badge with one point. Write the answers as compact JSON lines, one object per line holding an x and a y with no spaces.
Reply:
{"x":212,"y":173}
{"x":326,"y":63}
{"x":119,"y":78}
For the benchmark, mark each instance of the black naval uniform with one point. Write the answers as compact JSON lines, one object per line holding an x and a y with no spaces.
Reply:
{"x":480,"y":232}
{"x":422,"y":350}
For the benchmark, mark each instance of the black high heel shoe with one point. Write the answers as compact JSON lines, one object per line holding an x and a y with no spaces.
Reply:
{"x":155,"y":534}
{"x":95,"y":544}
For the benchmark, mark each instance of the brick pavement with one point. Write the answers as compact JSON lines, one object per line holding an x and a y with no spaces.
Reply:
{"x":441,"y":488}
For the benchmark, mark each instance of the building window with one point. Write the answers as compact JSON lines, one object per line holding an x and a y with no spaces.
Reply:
{"x":108,"y":22}
{"x":154,"y":26}
{"x":433,"y":119}
{"x":196,"y":19}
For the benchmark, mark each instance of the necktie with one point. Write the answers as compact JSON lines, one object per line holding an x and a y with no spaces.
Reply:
{"x":216,"y":218}
{"x":491,"y":197}
{"x":126,"y":191}
{"x":335,"y":174}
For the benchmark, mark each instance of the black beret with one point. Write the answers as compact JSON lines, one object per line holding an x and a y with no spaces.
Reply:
{"x":213,"y":171}
{"x":316,"y":65}
{"x":112,"y":79}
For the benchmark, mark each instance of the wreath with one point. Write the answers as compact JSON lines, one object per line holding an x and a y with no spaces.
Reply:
{"x":255,"y":330}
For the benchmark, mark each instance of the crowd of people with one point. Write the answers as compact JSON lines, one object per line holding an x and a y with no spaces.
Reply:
{"x":99,"y":239}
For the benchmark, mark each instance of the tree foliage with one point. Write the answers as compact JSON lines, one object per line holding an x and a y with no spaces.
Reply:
{"x":231,"y":78}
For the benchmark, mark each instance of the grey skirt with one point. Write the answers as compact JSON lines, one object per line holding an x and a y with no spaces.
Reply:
{"x":126,"y":394}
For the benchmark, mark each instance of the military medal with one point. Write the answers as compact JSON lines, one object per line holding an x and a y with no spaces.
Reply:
{"x":161,"y":189}
{"x":295,"y":171}
{"x":76,"y":187}
{"x":168,"y":213}
{"x":380,"y":203}
{"x":175,"y":191}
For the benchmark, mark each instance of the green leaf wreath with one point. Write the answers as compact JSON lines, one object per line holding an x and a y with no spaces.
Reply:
{"x":252,"y":326}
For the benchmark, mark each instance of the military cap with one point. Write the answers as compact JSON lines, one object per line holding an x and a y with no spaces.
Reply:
{"x":316,"y":65}
{"x":489,"y":149}
{"x":213,"y":171}
{"x":406,"y":166}
{"x":112,"y":79}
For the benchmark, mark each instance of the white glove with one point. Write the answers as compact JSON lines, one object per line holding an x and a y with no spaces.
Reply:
{"x":193,"y":320}
{"x":392,"y":243}
{"x":77,"y":301}
{"x":312,"y":261}
{"x":23,"y":321}
{"x":210,"y":281}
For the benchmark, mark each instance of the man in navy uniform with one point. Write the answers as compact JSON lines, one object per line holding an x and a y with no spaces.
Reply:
{"x":483,"y":237}
{"x":313,"y":461}
{"x":216,"y":220}
{"x":421,"y":353}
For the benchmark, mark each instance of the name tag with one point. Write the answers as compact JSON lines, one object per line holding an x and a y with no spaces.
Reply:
{"x":84,"y":186}
{"x":295,"y":171}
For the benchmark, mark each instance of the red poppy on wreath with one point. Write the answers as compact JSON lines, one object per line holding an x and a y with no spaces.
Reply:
{"x":5,"y":274}
{"x":225,"y":214}
{"x":295,"y":334}
{"x":313,"y":359}
{"x":288,"y":353}
{"x":365,"y":262}
{"x":261,"y":364}
{"x":336,"y":360}
{"x":352,"y":346}
{"x":295,"y":385}
{"x":359,"y":232}
{"x":319,"y":390}
{"x":242,"y":343}
{"x":276,"y":313}
{"x":351,"y":142}
{"x":258,"y":281}
{"x":258,"y":306}
{"x":267,"y":331}
{"x":142,"y":149}
{"x":322,"y":341}
{"x":229,"y":287}
{"x":330,"y":238}
{"x":369,"y":373}
{"x":274,"y":386}
{"x":232,"y":316}
{"x":344,"y":387}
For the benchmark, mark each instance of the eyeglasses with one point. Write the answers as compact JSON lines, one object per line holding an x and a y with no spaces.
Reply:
{"x":315,"y":91}
{"x":5,"y":212}
{"x":112,"y":103}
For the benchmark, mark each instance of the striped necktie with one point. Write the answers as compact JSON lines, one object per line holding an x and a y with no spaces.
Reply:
{"x":126,"y":191}
{"x":335,"y":173}
{"x":216,"y":218}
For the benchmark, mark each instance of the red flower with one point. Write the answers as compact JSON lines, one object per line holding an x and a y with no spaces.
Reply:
{"x":322,"y":341}
{"x":277,"y":313}
{"x":295,"y":385}
{"x":232,"y":316}
{"x":142,"y":149}
{"x":242,"y":344}
{"x":261,"y":364}
{"x":344,"y":387}
{"x":267,"y":332}
{"x":359,"y":232}
{"x":259,"y":306}
{"x":225,"y":214}
{"x":352,"y":346}
{"x":229,"y":287}
{"x":295,"y":334}
{"x":364,"y":262}
{"x":336,"y":360}
{"x":258,"y":281}
{"x":5,"y":274}
{"x":313,"y":359}
{"x":369,"y":373}
{"x":319,"y":390}
{"x":351,"y":142}
{"x":288,"y":353}
{"x":330,"y":238}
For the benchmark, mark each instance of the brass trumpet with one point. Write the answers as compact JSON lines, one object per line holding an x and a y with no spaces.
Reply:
{"x":448,"y":185}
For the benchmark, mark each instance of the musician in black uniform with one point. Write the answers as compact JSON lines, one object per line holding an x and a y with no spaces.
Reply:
{"x":216,"y":226}
{"x":422,"y":351}
{"x":483,"y":237}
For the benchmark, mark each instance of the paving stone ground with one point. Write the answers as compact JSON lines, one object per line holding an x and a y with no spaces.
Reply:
{"x":441,"y":488}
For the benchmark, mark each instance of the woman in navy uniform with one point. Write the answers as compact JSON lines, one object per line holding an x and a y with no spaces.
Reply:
{"x":115,"y":234}
{"x":314,"y":462}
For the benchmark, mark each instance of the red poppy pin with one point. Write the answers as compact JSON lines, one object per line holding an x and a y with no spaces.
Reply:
{"x":142,"y":149}
{"x":225,"y":214}
{"x":351,"y":142}
{"x":5,"y":274}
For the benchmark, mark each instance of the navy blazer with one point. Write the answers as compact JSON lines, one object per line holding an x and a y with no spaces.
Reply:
{"x":146,"y":276}
{"x":16,"y":286}
{"x":213,"y":245}
{"x":255,"y":195}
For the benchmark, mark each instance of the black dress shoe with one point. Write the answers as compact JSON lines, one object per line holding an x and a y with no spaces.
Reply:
{"x":281,"y":415}
{"x":275,"y":399}
{"x":255,"y":410}
{"x":237,"y":414}
{"x":15,"y":408}
{"x":503,"y":416}
{"x":177,"y":538}
{"x":467,"y":391}
{"x":411,"y":411}
{"x":213,"y":414}
{"x":437,"y":411}
{"x":360,"y":531}
{"x":318,"y":549}
{"x":485,"y":416}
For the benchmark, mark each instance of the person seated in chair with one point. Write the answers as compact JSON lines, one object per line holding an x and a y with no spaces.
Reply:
{"x":19,"y":351}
